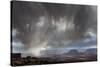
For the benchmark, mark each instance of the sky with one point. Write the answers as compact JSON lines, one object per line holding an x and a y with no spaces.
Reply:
{"x":40,"y":26}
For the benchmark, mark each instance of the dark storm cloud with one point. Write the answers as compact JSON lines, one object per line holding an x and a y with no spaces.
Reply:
{"x":40,"y":25}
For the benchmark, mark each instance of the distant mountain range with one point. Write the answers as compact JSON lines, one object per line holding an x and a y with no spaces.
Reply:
{"x":72,"y":52}
{"x":91,"y":51}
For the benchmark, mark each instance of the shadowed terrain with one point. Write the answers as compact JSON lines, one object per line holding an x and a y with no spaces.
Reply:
{"x":71,"y":56}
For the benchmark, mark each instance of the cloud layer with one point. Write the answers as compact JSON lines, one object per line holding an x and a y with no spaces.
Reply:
{"x":41,"y":26}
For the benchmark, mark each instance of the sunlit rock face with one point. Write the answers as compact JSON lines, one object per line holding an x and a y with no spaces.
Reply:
{"x":39,"y":27}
